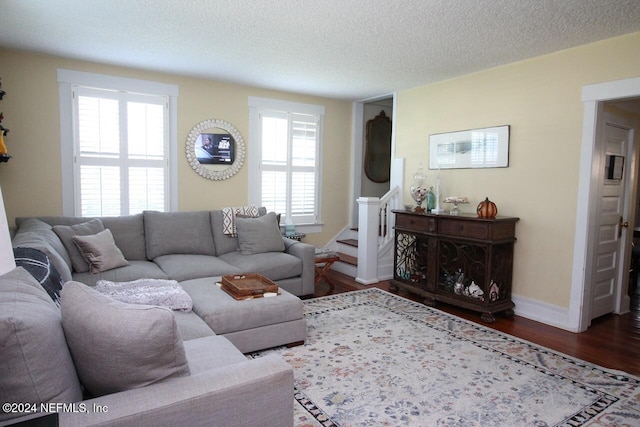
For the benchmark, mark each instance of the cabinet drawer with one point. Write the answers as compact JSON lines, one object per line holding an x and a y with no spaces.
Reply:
{"x":416,"y":223}
{"x":462,"y":228}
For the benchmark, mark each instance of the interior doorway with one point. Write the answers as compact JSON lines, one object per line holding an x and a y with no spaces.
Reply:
{"x":614,"y":166}
{"x":594,"y":98}
{"x":363,"y":186}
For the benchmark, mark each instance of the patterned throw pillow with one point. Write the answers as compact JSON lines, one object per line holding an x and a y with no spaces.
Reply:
{"x":41,"y":268}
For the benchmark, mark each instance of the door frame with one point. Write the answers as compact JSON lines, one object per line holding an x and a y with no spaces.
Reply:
{"x":593,"y":98}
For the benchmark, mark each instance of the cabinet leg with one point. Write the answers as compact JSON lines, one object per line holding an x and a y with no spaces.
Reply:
{"x":393,"y":288}
{"x":429,"y":302}
{"x":488,"y":317}
{"x":508,"y":313}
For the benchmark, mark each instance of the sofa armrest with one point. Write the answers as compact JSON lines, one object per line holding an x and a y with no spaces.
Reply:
{"x":255,"y":392}
{"x":307,"y":254}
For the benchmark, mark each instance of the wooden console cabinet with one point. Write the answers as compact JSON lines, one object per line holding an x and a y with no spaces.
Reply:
{"x":461,"y":260}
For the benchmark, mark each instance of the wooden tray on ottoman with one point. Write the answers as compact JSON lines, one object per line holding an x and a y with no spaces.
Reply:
{"x":247,"y":286}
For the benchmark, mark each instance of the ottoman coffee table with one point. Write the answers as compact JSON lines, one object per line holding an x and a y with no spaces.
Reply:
{"x":251,"y":324}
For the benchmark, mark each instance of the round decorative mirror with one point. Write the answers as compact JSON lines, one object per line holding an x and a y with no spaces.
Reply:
{"x":215,"y":149}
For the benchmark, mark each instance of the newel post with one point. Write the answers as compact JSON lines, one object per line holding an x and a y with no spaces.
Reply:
{"x":368,"y":223}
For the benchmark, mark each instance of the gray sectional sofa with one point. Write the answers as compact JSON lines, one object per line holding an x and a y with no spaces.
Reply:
{"x":87,"y":338}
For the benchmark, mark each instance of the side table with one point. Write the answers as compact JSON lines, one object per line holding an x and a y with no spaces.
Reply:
{"x":324,"y":259}
{"x":297,"y":236}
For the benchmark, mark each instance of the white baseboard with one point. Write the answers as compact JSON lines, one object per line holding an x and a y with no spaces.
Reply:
{"x":548,"y":314}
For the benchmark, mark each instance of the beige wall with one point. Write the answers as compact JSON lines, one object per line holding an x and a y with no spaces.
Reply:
{"x":541,"y":100}
{"x":31,"y":181}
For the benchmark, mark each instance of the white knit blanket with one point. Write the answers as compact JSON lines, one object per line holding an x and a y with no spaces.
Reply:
{"x":229,"y":217}
{"x":165,"y":293}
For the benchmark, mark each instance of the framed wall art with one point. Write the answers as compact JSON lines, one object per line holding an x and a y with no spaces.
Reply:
{"x":475,"y":148}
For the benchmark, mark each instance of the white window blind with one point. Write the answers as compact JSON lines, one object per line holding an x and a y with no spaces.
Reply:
{"x":288,"y":162}
{"x":121,"y":152}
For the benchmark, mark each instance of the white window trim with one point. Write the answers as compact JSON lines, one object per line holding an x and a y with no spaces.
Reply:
{"x":66,"y":80}
{"x":255,"y":153}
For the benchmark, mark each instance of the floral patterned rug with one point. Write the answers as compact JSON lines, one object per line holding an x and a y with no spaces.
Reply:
{"x":376,"y":359}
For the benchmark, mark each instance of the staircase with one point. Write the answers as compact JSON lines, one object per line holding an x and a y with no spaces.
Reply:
{"x":347,"y":248}
{"x":372,"y":261}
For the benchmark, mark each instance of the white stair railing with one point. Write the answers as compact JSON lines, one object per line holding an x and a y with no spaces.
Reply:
{"x":375,"y":230}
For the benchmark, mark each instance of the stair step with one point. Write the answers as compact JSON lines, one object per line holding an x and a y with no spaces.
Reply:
{"x":348,"y":259}
{"x":349,"y":242}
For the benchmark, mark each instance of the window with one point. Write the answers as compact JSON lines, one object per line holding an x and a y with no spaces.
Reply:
{"x":117,"y":145}
{"x":284,"y":171}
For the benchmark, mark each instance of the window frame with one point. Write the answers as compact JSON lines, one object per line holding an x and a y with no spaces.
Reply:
{"x":68,"y":80}
{"x":259,"y":105}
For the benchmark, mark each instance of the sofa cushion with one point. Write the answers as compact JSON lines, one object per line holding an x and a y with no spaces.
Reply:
{"x":32,"y":239}
{"x":128,"y":233}
{"x":224,"y":314}
{"x":40,"y":267}
{"x":259,"y":235}
{"x":66,"y":233}
{"x":127,"y":230}
{"x":185,"y":267}
{"x":214,"y":351}
{"x":274,"y":265}
{"x":100,"y":251}
{"x":48,"y":235}
{"x":225,"y":243}
{"x":178,"y":233}
{"x":191,"y":326}
{"x":118,"y":346}
{"x":36,"y":234}
{"x":36,"y":363}
{"x":133,"y":271}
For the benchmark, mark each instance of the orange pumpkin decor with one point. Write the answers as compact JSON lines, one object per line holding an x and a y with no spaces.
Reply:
{"x":487,"y":209}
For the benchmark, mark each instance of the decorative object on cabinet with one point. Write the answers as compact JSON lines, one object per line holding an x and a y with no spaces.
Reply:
{"x":456,"y":201}
{"x":431,"y":200}
{"x":377,"y":155}
{"x":437,"y":209}
{"x":215,"y":149}
{"x":475,"y":148}
{"x":418,"y":190}
{"x":461,"y":260}
{"x":4,"y":155}
{"x":487,"y":209}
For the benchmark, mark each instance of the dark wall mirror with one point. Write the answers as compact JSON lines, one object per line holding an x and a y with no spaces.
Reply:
{"x":377,"y":156}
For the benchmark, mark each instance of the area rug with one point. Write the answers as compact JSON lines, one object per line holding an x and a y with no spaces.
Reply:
{"x":376,"y":359}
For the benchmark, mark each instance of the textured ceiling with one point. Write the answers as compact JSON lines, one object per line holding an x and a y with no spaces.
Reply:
{"x":354,"y":49}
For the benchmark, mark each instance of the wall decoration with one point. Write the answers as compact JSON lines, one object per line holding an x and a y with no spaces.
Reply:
{"x":475,"y":148}
{"x":377,"y":157}
{"x":4,"y":155}
{"x":215,"y":149}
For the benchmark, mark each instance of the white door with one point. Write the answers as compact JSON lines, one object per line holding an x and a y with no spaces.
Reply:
{"x":612,"y":229}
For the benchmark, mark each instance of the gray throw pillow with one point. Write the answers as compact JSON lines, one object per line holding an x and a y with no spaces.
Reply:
{"x":36,"y":363}
{"x":66,"y":233}
{"x":259,"y":235}
{"x":100,"y":251}
{"x":118,"y":346}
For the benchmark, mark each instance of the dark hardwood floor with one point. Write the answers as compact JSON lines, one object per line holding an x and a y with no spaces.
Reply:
{"x":612,"y":341}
